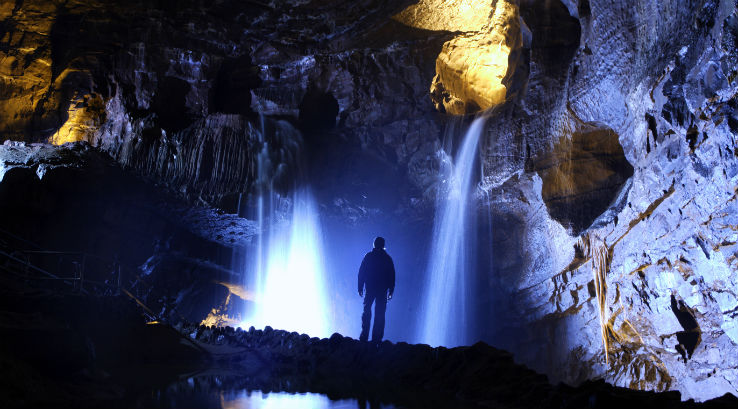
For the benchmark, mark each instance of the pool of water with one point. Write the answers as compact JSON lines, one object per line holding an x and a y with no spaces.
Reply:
{"x":232,"y":393}
{"x":284,"y":400}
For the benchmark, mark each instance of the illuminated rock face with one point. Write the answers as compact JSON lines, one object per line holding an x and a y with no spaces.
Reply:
{"x":84,"y":117}
{"x":42,"y":98}
{"x":661,"y":85}
{"x":448,"y":15}
{"x":472,"y":72}
{"x":25,"y":71}
{"x":172,"y":92}
{"x":473,"y":69}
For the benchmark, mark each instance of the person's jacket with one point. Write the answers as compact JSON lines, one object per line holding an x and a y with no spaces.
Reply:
{"x":377,"y":272}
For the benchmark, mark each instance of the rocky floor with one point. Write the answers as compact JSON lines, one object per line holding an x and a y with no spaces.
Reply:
{"x":408,"y":375}
{"x":65,"y":348}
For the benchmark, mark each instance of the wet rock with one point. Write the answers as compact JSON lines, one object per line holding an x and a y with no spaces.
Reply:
{"x":180,"y":109}
{"x":651,"y":94}
{"x":582,"y":175}
{"x":397,"y":373}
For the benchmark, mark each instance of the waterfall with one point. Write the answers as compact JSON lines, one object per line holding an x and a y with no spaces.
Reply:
{"x":444,"y":321}
{"x":285,"y":268}
{"x":289,"y":270}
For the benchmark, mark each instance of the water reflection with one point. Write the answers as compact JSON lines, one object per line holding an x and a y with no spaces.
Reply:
{"x":236,"y":392}
{"x":283,"y":400}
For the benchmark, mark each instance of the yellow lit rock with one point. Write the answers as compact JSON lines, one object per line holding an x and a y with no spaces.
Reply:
{"x":25,"y":69}
{"x":84,"y":118}
{"x":447,"y":15}
{"x":220,"y":316}
{"x":472,"y":68}
{"x":6,"y":9}
{"x":579,"y":163}
{"x":581,"y":173}
{"x":238,"y":290}
{"x":469,"y":74}
{"x":31,"y":94}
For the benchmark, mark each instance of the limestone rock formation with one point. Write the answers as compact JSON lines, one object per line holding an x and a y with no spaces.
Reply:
{"x":172,"y":91}
{"x":474,"y":69}
{"x":645,"y":297}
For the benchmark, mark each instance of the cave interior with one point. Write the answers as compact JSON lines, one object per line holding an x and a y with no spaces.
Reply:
{"x":188,"y":189}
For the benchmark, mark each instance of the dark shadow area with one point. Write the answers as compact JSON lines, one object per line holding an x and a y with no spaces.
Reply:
{"x":692,"y":335}
{"x":582,"y":175}
{"x":318,"y":111}
{"x":63,"y":346}
{"x":170,"y":104}
{"x":556,"y":35}
{"x":87,"y":214}
{"x":654,"y":134}
{"x":232,"y":90}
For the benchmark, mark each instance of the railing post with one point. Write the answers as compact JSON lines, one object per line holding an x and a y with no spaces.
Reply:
{"x":26,"y":265}
{"x":82,"y":272}
{"x":119,"y":280}
{"x":76,"y":276}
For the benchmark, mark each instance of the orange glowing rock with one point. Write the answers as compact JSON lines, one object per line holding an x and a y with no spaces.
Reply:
{"x":84,"y":118}
{"x":472,"y":68}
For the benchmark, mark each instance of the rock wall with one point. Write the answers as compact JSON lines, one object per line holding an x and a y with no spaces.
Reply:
{"x":121,"y":229}
{"x":175,"y":90}
{"x":473,"y":69}
{"x":642,"y":290}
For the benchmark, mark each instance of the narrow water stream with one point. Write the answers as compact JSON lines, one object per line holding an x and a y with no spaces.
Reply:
{"x":444,"y":321}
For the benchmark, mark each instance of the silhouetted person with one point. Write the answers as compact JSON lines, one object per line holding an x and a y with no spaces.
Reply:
{"x":377,"y":273}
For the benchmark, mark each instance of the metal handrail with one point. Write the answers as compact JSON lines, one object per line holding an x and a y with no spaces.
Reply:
{"x":79,"y":277}
{"x":69,"y":253}
{"x":79,"y":265}
{"x":28,"y":264}
{"x":38,"y":250}
{"x":19,"y":238}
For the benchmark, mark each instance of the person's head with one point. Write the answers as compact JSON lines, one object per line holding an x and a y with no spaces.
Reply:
{"x":379,"y":243}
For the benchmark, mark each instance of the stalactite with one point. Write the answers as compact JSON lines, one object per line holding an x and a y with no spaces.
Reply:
{"x":601,"y":258}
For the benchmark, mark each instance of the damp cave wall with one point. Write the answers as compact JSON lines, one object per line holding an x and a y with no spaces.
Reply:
{"x":648,"y":73}
{"x":185,"y":94}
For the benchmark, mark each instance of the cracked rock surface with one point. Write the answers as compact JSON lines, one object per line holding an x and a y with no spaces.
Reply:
{"x":660,"y":76}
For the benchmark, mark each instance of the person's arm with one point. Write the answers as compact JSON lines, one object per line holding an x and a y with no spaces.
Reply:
{"x":362,"y":277}
{"x":392,"y":279}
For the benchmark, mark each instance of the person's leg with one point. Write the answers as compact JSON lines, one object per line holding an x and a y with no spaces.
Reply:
{"x":366,"y":317}
{"x":380,"y":306}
